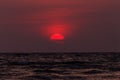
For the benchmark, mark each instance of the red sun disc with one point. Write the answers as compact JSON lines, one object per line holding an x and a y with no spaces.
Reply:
{"x":57,"y":36}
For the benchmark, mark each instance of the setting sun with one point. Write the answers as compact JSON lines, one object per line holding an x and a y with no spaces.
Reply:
{"x":57,"y":37}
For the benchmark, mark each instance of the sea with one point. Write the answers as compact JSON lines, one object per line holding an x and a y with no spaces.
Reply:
{"x":60,"y":66}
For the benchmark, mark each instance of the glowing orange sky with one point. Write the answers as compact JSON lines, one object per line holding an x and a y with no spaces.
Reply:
{"x":89,"y":24}
{"x":55,"y":11}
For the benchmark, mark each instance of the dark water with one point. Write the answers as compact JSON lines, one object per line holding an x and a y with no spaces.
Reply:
{"x":60,"y":66}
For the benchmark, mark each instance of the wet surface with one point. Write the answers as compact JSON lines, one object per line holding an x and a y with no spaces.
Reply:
{"x":60,"y":66}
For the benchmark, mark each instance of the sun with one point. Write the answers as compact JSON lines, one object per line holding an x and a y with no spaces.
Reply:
{"x":57,"y":37}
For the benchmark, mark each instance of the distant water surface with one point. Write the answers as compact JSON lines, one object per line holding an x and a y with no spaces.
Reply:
{"x":60,"y":66}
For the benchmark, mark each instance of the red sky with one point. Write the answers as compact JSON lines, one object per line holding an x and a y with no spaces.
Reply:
{"x":93,"y":25}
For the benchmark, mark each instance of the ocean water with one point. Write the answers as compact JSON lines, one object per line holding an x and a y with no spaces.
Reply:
{"x":60,"y":66}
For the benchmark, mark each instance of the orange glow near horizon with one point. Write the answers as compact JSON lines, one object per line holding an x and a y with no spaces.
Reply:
{"x":48,"y":17}
{"x":56,"y":31}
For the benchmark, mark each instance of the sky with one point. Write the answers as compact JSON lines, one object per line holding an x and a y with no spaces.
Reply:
{"x":87,"y":25}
